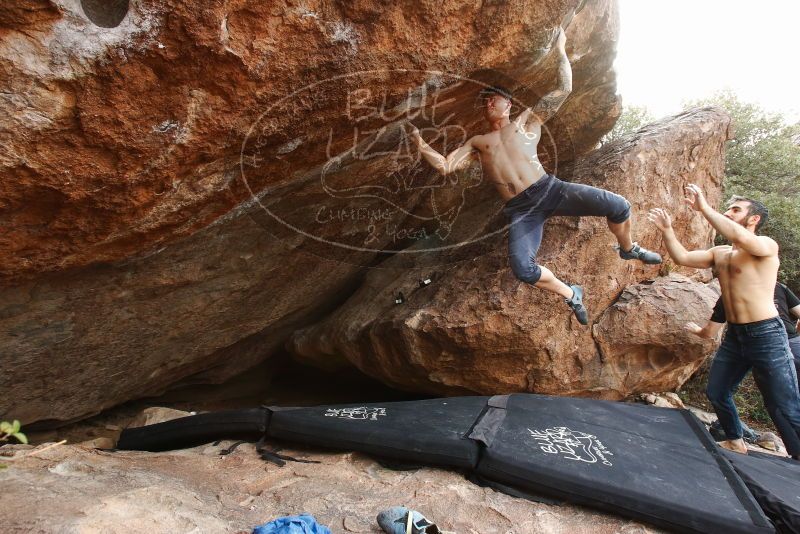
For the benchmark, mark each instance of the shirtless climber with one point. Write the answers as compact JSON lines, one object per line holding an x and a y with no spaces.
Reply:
{"x":509,"y":159}
{"x":756,"y":337}
{"x":788,"y":305}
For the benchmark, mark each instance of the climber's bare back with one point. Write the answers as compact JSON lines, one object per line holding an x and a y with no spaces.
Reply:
{"x":508,"y":157}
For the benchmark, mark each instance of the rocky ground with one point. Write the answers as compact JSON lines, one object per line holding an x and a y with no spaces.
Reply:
{"x":74,"y":489}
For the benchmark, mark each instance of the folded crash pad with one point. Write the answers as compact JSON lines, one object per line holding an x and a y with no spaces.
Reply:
{"x":775,"y":484}
{"x":195,"y":430}
{"x":432,"y":431}
{"x":654,"y":464}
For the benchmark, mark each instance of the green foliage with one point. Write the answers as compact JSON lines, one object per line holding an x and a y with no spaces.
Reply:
{"x":763,"y":162}
{"x":631,"y":119}
{"x":764,"y":155}
{"x":9,"y":430}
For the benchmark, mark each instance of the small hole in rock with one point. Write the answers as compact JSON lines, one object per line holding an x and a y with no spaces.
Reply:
{"x":105,"y":13}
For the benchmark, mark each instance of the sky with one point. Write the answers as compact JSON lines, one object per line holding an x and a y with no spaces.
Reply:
{"x":670,"y":51}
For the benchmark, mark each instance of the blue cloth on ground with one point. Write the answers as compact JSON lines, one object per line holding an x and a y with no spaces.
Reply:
{"x":295,"y":524}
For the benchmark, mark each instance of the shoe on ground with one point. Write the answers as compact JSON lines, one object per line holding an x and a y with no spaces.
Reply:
{"x":400,"y":520}
{"x":640,"y":253}
{"x":576,"y":303}
{"x":769,"y":441}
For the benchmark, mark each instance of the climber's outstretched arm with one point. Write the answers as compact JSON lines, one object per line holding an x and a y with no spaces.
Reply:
{"x":709,"y":331}
{"x":549,"y":103}
{"x":699,"y":259}
{"x":458,"y":159}
{"x":757,"y":245}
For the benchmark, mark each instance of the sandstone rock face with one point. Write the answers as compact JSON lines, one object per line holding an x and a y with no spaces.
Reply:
{"x":72,"y":489}
{"x":157,"y":414}
{"x":183,"y":190}
{"x":118,"y":140}
{"x":477,"y":328}
{"x":642,"y":338}
{"x":203,"y":309}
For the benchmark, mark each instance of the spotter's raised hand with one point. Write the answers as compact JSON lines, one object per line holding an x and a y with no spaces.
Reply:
{"x":660,"y":218}
{"x":695,"y":198}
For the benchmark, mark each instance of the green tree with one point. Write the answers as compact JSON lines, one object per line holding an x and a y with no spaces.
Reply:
{"x":631,"y":119}
{"x":763,"y":162}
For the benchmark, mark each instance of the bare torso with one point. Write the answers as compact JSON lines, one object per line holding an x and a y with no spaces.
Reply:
{"x":747,"y":282}
{"x":508,"y":157}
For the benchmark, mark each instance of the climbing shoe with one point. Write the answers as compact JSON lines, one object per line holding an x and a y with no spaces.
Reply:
{"x":642,"y":254}
{"x":576,"y":303}
{"x":401,"y":520}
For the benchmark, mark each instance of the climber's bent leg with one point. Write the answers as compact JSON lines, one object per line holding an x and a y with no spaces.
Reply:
{"x":547,"y":280}
{"x":622,"y":231}
{"x":524,"y":238}
{"x":580,"y":200}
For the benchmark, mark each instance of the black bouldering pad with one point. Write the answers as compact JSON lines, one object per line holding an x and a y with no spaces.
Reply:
{"x":775,"y":484}
{"x":654,"y":464}
{"x":195,"y":430}
{"x":431,"y":431}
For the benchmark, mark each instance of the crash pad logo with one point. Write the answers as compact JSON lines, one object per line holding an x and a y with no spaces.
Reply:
{"x":572,"y":445}
{"x":349,"y":174}
{"x":362,"y":412}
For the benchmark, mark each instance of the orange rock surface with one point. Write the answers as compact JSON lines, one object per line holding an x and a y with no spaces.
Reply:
{"x":186,"y":184}
{"x":477,"y":328}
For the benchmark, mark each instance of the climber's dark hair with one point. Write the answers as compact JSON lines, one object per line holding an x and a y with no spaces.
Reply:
{"x":495,"y":90}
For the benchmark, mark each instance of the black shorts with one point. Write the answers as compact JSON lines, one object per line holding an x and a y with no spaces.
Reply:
{"x":550,"y":197}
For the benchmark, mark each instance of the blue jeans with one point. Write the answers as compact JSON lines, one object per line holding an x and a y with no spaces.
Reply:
{"x":764,"y":347}
{"x":794,"y":345}
{"x":551,"y":197}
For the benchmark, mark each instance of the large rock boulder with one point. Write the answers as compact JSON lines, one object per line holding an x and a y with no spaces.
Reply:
{"x":184,"y":184}
{"x":477,"y":328}
{"x":641,"y":337}
{"x":119,"y":139}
